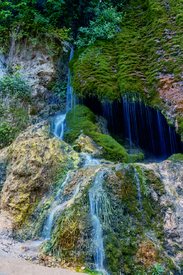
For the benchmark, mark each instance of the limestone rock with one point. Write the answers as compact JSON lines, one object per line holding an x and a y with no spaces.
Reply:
{"x":86,"y":145}
{"x":145,"y":223}
{"x":34,"y":160}
{"x":36,"y":65}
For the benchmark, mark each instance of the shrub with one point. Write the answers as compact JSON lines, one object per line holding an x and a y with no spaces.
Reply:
{"x":6,"y":134}
{"x":15,"y":86}
{"x":60,"y":89}
{"x":157,"y":270}
{"x":104,"y":26}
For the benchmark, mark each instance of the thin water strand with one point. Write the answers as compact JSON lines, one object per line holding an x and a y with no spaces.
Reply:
{"x":59,"y":123}
{"x":69,"y":99}
{"x":55,"y":209}
{"x":138,"y":188}
{"x":95,"y":194}
{"x":51,"y":216}
{"x":59,"y":126}
{"x":2,"y":67}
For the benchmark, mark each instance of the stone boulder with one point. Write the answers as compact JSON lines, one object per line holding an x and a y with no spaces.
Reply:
{"x":85,"y":144}
{"x":34,"y":161}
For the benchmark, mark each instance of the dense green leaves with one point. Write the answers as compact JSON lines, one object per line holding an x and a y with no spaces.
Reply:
{"x":6,"y":133}
{"x":14,"y":85}
{"x":104,"y":26}
{"x":39,"y":16}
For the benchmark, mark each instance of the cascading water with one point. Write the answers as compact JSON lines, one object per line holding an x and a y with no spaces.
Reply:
{"x":60,"y":119}
{"x":2,"y":67}
{"x":69,"y":98}
{"x":89,"y":161}
{"x":58,"y":207}
{"x":139,"y":124}
{"x":138,"y":188}
{"x":95,"y":194}
{"x":59,"y":126}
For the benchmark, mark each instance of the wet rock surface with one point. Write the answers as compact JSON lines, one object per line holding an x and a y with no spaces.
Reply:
{"x":33,"y":162}
{"x":139,"y":207}
{"x":86,"y":145}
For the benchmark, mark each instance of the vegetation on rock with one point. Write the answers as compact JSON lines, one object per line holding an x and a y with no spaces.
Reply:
{"x":15,"y":94}
{"x":34,"y":164}
{"x":176,"y":157}
{"x":82,"y":120}
{"x":143,"y":58}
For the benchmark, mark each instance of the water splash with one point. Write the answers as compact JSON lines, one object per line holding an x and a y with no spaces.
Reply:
{"x":89,"y":161}
{"x":59,"y":126}
{"x":95,"y":194}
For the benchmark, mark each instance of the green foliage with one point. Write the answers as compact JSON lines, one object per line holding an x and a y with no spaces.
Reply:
{"x":141,"y":272}
{"x":104,"y":26}
{"x":15,"y":86}
{"x":157,"y":270}
{"x":81,"y":119}
{"x":6,"y":133}
{"x":91,"y":272}
{"x":60,"y":89}
{"x":176,"y":157}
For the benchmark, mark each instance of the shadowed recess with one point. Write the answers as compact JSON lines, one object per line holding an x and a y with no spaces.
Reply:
{"x":140,"y":124}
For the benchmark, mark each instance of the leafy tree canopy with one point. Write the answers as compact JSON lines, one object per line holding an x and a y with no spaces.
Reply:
{"x":104,"y":25}
{"x":38,"y":16}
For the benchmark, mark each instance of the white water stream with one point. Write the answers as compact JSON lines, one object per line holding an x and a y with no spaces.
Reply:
{"x":2,"y":67}
{"x":138,"y":188}
{"x":57,"y":207}
{"x":59,"y":123}
{"x":89,"y":161}
{"x":95,"y":194}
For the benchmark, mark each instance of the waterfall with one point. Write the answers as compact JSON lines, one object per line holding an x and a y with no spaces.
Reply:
{"x":59,"y":126}
{"x":2,"y":67}
{"x":59,"y":121}
{"x":95,"y":198}
{"x":138,"y":189}
{"x":89,"y":161}
{"x":140,"y":124}
{"x":59,"y":206}
{"x":69,"y":98}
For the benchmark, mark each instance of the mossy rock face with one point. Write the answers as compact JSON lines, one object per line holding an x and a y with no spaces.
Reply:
{"x":34,"y":162}
{"x":133,"y":208}
{"x":145,"y":58}
{"x":176,"y":157}
{"x":82,"y":120}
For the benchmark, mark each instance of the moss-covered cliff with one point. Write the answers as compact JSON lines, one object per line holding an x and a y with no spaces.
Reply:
{"x":144,"y":58}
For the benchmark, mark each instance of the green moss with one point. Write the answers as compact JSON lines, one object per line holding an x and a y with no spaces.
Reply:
{"x":180,"y":129}
{"x":88,"y":271}
{"x":131,"y":220}
{"x":81,"y":119}
{"x":149,"y":46}
{"x":176,"y":157}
